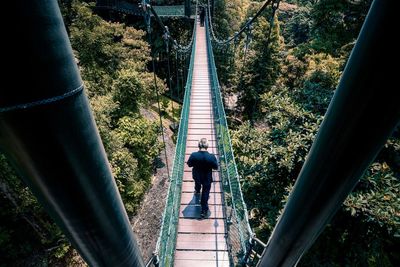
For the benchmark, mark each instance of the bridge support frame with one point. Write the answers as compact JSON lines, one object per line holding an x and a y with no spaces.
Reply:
{"x":188,"y":8}
{"x":48,"y":133}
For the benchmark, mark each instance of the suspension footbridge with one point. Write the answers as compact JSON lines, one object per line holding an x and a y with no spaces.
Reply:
{"x":185,"y":239}
{"x":201,"y":242}
{"x":50,"y":137}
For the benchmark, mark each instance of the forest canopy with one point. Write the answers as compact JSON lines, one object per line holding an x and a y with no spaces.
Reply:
{"x":281,"y":94}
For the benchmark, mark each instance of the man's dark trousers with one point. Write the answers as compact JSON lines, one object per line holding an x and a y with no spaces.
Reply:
{"x":205,"y":194}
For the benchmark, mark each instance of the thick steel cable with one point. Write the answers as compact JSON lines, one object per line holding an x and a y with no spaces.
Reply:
{"x":159,"y":107}
{"x":179,"y":47}
{"x":275,"y":6}
{"x":147,"y":7}
{"x":169,"y":75}
{"x":177,"y":73}
{"x":182,"y":70}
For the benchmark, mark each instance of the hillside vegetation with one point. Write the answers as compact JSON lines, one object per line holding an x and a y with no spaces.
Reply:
{"x":282,"y":92}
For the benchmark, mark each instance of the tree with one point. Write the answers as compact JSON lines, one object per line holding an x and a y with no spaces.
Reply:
{"x":262,"y":69}
{"x":298,"y":28}
{"x":228,"y":19}
{"x":336,"y":23}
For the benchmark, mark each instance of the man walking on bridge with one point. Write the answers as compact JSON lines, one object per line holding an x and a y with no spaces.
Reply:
{"x":203,"y":163}
{"x":202,"y":15}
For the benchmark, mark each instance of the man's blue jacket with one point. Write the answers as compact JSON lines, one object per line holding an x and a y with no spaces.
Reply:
{"x":203,"y":163}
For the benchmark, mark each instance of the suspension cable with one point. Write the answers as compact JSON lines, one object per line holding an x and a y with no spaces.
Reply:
{"x":275,"y":6}
{"x":181,"y":48}
{"x":182,"y":71}
{"x":171,"y":192}
{"x":244,"y":63}
{"x":158,"y":97}
{"x":248,"y":23}
{"x":147,"y":9}
{"x":177,"y":74}
{"x":166,"y":40}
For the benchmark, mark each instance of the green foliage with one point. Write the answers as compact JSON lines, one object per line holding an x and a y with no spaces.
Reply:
{"x":318,"y":82}
{"x":62,"y":251}
{"x":378,"y":197}
{"x":128,"y":91}
{"x":337,"y":23}
{"x":103,"y":107}
{"x":366,"y":231}
{"x":164,"y":105}
{"x":228,"y":18}
{"x":97,"y":52}
{"x":110,"y":54}
{"x":113,"y":59}
{"x":298,"y":28}
{"x":140,"y":137}
{"x":25,"y":227}
{"x":130,"y":184}
{"x":262,"y":67}
{"x":352,"y":241}
{"x":126,"y":147}
{"x":294,"y":89}
{"x":272,"y":154}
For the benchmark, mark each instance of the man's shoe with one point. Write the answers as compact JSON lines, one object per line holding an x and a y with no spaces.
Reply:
{"x":204,"y":214}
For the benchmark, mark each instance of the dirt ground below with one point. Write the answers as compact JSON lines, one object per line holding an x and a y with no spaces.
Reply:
{"x":147,"y":222}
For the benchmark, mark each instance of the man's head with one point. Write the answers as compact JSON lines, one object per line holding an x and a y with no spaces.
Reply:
{"x":203,"y":144}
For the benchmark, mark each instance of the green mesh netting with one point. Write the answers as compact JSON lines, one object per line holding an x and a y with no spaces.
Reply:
{"x":168,"y":234}
{"x":238,"y":227}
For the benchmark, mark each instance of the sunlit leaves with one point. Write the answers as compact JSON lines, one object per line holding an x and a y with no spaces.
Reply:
{"x":378,"y":197}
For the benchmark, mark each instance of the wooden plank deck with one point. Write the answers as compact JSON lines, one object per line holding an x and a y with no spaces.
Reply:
{"x":201,"y":242}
